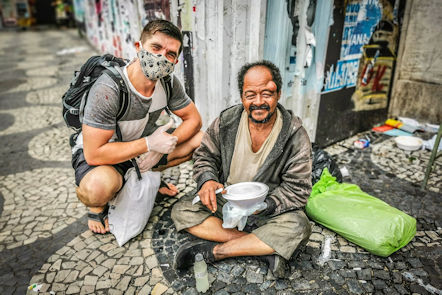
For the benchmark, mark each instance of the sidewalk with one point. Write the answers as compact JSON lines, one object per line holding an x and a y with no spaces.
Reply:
{"x":43,"y":228}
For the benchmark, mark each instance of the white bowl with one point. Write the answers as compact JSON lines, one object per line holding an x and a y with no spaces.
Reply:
{"x":408,"y":143}
{"x":246,"y":194}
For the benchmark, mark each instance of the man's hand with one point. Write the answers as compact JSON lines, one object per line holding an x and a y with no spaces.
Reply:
{"x":160,"y":141}
{"x":208,"y":196}
{"x":147,"y":160}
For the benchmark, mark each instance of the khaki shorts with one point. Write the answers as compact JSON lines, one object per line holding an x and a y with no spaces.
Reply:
{"x":284,"y":233}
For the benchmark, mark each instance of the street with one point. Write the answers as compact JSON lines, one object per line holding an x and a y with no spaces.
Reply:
{"x":43,"y":227}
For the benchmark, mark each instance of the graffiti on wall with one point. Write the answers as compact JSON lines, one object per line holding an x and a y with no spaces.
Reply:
{"x":367,"y":53}
{"x":113,"y":26}
{"x":361,"y":17}
{"x":375,"y":70}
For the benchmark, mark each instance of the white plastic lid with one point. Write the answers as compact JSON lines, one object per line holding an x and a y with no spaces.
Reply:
{"x":246,"y":190}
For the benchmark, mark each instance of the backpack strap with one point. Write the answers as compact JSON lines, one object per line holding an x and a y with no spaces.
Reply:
{"x":124,"y":93}
{"x":166,"y":82}
{"x":124,"y":104}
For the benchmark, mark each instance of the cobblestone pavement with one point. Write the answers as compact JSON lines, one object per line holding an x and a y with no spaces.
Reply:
{"x":44,"y":237}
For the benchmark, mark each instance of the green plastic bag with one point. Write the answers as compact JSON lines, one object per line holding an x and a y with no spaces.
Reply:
{"x":360,"y":218}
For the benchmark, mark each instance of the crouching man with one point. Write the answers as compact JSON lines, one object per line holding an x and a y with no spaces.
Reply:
{"x":258,"y":140}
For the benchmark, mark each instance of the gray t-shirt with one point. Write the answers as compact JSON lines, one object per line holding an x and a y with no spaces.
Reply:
{"x":139,"y":120}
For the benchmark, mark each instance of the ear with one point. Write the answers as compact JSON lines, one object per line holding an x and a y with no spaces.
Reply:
{"x":137,"y":45}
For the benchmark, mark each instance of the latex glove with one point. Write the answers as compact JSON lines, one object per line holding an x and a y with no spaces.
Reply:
{"x":160,"y":141}
{"x":147,"y":160}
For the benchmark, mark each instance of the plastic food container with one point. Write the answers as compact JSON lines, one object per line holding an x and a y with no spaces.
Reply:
{"x":408,"y":143}
{"x":246,"y":194}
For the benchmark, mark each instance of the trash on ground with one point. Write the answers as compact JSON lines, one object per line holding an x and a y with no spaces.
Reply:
{"x":393,"y":123}
{"x":397,"y":132}
{"x":321,"y":160}
{"x":344,"y":172}
{"x":360,"y":218}
{"x":429,"y":144}
{"x":361,"y":143}
{"x":325,"y":251}
{"x":35,"y":287}
{"x":200,"y":273}
{"x":411,"y":278}
{"x":408,"y":143}
{"x":411,"y":124}
{"x":431,"y":128}
{"x":382,"y":128}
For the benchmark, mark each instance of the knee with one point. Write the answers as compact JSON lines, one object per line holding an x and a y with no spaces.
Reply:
{"x":176,"y":211}
{"x":304,"y":226}
{"x":196,"y":140}
{"x":95,"y":193}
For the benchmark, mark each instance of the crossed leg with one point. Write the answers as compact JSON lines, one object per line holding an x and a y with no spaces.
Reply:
{"x":233,"y":242}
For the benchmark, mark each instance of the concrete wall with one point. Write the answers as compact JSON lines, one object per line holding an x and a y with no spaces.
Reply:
{"x":417,"y":90}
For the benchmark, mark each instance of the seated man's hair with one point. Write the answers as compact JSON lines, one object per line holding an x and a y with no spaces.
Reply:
{"x":162,"y":26}
{"x":276,"y":75}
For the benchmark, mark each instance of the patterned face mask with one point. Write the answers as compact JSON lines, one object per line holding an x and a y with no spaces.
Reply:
{"x":154,"y":66}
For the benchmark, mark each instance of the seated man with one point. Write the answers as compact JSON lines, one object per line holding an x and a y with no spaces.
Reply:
{"x":99,"y":161}
{"x":258,"y":140}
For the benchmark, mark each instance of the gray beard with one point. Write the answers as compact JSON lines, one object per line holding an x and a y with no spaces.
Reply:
{"x":265,"y":120}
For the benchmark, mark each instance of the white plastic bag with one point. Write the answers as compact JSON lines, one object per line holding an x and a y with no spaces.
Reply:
{"x":234,"y":216}
{"x":129,"y":211}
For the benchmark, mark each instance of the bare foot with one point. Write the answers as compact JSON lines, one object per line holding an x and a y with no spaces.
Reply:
{"x":171,"y":191}
{"x":96,"y":226}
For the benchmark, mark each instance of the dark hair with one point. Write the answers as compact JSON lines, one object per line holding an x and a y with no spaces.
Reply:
{"x":163,"y":26}
{"x":276,"y":75}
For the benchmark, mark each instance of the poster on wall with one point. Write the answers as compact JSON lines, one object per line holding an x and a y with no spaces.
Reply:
{"x":367,"y":53}
{"x":157,"y":9}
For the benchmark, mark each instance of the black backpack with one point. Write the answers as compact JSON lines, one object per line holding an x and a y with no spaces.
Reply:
{"x":75,"y":98}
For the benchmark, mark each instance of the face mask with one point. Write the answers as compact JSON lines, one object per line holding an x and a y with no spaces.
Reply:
{"x":154,"y":66}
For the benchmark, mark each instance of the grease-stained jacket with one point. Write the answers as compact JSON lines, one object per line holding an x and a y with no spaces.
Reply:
{"x":287,"y":169}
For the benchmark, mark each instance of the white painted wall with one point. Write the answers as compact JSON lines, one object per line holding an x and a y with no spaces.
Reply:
{"x":227,"y":34}
{"x":305,"y":97}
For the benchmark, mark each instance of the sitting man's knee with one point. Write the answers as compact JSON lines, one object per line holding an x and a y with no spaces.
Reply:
{"x":195,"y":141}
{"x":175,"y":211}
{"x":305,"y":226}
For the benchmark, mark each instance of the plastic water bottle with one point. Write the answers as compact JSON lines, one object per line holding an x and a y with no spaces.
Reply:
{"x":200,"y":271}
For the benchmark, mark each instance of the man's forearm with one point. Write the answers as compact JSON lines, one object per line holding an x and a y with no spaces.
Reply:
{"x":115,"y":152}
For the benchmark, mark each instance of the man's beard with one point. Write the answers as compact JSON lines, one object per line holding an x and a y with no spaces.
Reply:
{"x":262,"y":107}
